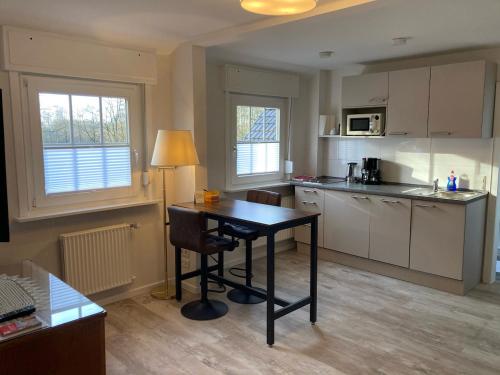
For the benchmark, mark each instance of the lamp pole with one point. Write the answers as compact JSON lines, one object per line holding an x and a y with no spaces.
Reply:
{"x":163,"y":292}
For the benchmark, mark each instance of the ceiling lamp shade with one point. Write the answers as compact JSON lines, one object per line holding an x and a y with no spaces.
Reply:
{"x":278,"y":7}
{"x":174,"y":148}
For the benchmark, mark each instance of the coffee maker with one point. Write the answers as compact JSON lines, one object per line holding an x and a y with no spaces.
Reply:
{"x":370,"y":172}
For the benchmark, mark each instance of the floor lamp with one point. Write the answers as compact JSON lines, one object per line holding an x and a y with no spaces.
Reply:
{"x":173,"y":148}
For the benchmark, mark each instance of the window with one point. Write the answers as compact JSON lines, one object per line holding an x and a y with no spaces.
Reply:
{"x":85,"y":138}
{"x":257,"y":130}
{"x":85,"y":142}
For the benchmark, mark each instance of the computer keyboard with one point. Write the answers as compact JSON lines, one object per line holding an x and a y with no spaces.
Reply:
{"x":15,"y":301}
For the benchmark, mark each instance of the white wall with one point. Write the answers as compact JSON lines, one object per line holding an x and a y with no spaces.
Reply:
{"x":303,"y":114}
{"x":189,"y":113}
{"x":415,"y":161}
{"x":39,"y":240}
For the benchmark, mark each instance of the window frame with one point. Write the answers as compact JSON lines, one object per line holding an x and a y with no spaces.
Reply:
{"x":233,"y":181}
{"x":32,"y":86}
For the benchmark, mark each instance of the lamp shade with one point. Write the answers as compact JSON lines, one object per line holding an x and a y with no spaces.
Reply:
{"x":174,"y":148}
{"x":278,"y":7}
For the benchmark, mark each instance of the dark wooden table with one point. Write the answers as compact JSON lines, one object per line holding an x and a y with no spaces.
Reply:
{"x":72,"y":338}
{"x":268,"y":220}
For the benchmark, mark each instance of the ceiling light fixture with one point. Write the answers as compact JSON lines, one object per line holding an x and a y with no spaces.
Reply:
{"x":278,"y":7}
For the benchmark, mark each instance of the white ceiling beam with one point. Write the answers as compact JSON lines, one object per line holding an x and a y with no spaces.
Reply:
{"x":233,"y":33}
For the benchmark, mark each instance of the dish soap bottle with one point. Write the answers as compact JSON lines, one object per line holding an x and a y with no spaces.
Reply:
{"x":452,"y":182}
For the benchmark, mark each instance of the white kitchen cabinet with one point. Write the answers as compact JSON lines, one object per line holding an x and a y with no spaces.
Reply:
{"x":347,"y":222}
{"x":309,"y":200}
{"x":437,"y":238}
{"x":462,"y":100}
{"x":408,"y":104}
{"x":367,"y":90}
{"x":390,"y":230}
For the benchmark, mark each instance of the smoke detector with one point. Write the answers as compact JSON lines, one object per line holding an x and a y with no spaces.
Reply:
{"x":326,"y":54}
{"x":400,"y":41}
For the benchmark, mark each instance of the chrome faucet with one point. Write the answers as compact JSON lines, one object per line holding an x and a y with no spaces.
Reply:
{"x":436,"y":184}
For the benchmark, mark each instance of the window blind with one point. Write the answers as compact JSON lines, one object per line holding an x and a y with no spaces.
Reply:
{"x":255,"y":158}
{"x":79,"y":169}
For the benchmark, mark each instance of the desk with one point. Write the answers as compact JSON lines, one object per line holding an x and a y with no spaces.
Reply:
{"x":268,"y":220}
{"x":72,"y":338}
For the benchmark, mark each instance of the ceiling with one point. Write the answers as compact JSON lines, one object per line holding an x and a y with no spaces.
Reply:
{"x":364,"y":34}
{"x":359,"y":34}
{"x":156,"y":24}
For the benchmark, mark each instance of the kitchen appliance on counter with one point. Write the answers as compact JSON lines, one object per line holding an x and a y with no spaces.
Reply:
{"x":370,"y":172}
{"x":371,"y":124}
{"x":350,"y":172}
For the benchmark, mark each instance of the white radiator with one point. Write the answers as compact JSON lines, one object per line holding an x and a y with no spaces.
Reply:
{"x":97,"y":259}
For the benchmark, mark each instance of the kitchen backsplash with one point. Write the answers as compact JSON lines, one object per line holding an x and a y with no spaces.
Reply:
{"x":415,"y":161}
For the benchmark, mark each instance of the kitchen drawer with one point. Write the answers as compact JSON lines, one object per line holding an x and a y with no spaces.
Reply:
{"x":309,"y":199}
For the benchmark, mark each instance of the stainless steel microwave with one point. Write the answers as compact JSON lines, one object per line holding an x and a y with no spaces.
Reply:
{"x":365,"y":124}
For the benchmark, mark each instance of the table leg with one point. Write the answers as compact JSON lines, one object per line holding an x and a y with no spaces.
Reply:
{"x":270,"y":288}
{"x":248,"y":263}
{"x":220,"y":260}
{"x":314,"y":270}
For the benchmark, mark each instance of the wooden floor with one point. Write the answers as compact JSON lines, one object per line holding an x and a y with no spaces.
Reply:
{"x":367,"y":324}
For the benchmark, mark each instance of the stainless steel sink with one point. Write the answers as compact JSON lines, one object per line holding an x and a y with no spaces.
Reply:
{"x":454,"y":194}
{"x":444,"y":194}
{"x":424,"y":192}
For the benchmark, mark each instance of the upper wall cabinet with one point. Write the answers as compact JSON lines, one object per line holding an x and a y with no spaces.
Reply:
{"x":408,"y":108}
{"x":367,"y":90}
{"x":462,"y":100}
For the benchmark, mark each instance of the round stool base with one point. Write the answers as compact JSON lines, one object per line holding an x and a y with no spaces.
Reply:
{"x":244,"y":298}
{"x":209,"y":310}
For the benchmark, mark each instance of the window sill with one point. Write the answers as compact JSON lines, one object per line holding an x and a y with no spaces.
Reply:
{"x":256,"y":186}
{"x":51,"y":214}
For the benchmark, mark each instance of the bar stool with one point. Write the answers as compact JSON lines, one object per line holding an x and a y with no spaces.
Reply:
{"x":188,"y":230}
{"x":249,"y":235}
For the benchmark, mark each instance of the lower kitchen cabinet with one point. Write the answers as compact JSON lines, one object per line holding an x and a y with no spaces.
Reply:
{"x":390,"y":230}
{"x":437,"y":238}
{"x":442,"y":241}
{"x":309,"y":200}
{"x":347,"y":222}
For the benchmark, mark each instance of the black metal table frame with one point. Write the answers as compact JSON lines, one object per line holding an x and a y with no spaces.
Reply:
{"x":270,"y":297}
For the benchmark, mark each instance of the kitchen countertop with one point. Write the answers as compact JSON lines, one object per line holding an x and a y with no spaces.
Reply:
{"x":420,"y":192}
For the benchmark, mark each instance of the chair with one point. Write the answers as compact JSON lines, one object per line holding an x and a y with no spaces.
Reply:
{"x":249,"y":235}
{"x":188,"y":230}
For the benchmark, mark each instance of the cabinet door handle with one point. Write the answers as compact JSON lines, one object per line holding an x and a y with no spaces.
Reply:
{"x":389,"y":201}
{"x":312,"y":203}
{"x":310,"y":191}
{"x":398,"y":133}
{"x":378,"y":99}
{"x":425,"y":205}
{"x":442,"y":132}
{"x":307,"y":225}
{"x":356,"y":197}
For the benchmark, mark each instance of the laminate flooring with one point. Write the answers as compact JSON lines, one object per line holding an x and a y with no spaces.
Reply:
{"x":367,"y":324}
